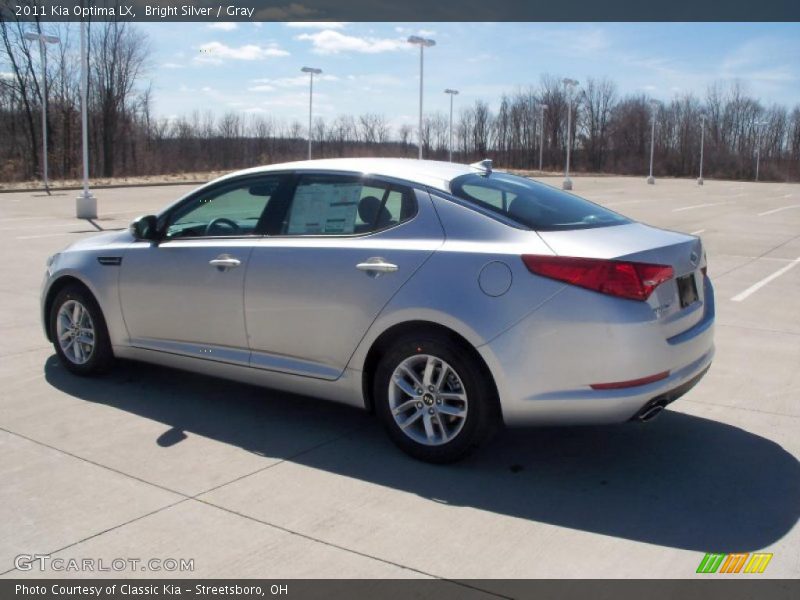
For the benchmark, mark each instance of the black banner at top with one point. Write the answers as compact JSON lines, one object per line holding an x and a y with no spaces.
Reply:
{"x":399,"y":10}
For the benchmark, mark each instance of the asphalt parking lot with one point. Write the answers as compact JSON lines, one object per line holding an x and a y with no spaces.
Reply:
{"x":151,"y":463}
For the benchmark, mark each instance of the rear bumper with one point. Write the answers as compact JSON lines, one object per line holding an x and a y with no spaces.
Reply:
{"x":544,"y":365}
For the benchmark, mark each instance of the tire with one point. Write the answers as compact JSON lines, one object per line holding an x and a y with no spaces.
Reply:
{"x":76,"y":353}
{"x":437,"y":425}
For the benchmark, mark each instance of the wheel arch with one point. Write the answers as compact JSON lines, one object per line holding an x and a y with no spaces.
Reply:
{"x":55,"y":287}
{"x":384,"y":340}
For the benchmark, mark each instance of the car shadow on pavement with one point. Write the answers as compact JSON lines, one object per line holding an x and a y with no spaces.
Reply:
{"x":681,"y":481}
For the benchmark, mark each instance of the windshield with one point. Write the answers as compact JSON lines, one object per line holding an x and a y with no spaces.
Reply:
{"x":535,"y":205}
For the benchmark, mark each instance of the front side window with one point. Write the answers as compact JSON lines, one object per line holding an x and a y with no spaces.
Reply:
{"x":230,"y":211}
{"x":535,"y":205}
{"x":341,"y":205}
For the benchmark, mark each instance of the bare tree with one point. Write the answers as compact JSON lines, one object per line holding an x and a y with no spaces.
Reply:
{"x":118,"y":59}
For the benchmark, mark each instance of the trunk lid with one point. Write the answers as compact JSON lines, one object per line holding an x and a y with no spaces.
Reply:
{"x":642,"y":243}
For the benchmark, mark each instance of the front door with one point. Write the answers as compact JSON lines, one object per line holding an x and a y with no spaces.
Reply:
{"x":184,"y":294}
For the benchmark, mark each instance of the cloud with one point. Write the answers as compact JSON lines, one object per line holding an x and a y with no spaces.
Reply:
{"x":285,"y":82}
{"x":412,"y":31}
{"x":575,"y":42}
{"x":333,"y":42}
{"x":316,"y":24}
{"x":217,"y":52}
{"x":223,"y":26}
{"x":378,"y":80}
{"x":171,"y":65}
{"x":759,"y":59}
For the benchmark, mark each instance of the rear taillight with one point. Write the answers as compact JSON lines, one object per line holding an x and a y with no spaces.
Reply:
{"x":632,"y":280}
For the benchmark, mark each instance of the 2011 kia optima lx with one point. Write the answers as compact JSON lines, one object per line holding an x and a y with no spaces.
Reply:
{"x":448,"y":298}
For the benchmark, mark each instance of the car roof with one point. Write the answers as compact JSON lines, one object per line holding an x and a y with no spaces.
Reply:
{"x":431,"y":173}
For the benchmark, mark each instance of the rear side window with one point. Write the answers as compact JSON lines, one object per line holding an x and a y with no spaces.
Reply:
{"x":535,"y":205}
{"x":342,"y":205}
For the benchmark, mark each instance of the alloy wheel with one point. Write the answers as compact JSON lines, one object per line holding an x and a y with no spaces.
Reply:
{"x":428,"y":400}
{"x":75,"y":331}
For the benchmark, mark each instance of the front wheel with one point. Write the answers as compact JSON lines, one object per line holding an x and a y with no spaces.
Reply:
{"x":79,"y":333}
{"x":434,"y":398}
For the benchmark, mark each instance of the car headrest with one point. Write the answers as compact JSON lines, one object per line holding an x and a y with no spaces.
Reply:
{"x":525,"y":210}
{"x":372,"y":212}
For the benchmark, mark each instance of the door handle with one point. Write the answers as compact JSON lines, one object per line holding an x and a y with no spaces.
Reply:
{"x":225,"y":261}
{"x":375,"y":266}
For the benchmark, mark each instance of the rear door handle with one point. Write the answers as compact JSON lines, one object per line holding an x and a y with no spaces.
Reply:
{"x":225,"y":261}
{"x":375,"y":266}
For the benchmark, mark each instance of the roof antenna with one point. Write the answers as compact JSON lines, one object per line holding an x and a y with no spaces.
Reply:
{"x":484,"y":165}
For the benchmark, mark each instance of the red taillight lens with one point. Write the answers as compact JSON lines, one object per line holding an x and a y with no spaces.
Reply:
{"x":632,"y":280}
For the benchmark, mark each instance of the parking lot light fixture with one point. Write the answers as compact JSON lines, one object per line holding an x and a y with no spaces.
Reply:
{"x":542,"y":108}
{"x":422,"y":43}
{"x":654,"y":104}
{"x":43,"y":41}
{"x":311,"y":72}
{"x":569,"y":85}
{"x":702,"y":143}
{"x":451,"y":93}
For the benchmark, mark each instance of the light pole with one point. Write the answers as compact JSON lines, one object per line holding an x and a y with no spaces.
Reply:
{"x":43,"y":40}
{"x":311,"y":72}
{"x":422,"y":43}
{"x":542,"y":107}
{"x":569,"y":85}
{"x":654,"y":105}
{"x":702,"y":144}
{"x":451,"y":93}
{"x":759,"y":127}
{"x":85,"y":204}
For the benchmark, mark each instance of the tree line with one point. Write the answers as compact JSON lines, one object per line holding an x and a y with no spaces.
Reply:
{"x":610,"y":131}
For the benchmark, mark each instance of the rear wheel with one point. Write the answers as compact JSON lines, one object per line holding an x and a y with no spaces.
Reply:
{"x":79,"y":332}
{"x":434,"y":398}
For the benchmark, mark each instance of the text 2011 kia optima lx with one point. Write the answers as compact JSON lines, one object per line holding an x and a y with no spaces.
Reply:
{"x":448,"y":298}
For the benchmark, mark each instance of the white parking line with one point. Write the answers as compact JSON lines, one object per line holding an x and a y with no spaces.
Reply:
{"x":757,"y":286}
{"x":777,"y":210}
{"x":693,"y":206}
{"x":698,"y":232}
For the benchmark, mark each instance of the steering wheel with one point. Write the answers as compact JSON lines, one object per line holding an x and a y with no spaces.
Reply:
{"x":222,"y":221}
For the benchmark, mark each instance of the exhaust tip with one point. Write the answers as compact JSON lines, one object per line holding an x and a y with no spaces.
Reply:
{"x":648,"y":413}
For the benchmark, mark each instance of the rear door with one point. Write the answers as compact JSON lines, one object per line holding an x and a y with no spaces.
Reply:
{"x":340,"y":250}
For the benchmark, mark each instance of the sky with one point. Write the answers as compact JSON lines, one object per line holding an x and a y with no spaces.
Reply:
{"x":369,"y":67}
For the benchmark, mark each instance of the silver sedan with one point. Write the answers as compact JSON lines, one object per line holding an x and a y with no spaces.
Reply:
{"x":446,"y":298}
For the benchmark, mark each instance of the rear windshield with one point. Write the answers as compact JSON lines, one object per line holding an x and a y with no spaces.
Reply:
{"x":535,"y":205}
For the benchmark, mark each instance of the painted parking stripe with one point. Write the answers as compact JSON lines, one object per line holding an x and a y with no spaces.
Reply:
{"x":698,"y":232}
{"x":757,"y":286}
{"x":777,"y":210}
{"x":693,"y":206}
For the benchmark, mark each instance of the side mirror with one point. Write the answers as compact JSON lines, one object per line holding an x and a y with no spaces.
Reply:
{"x":145,"y":228}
